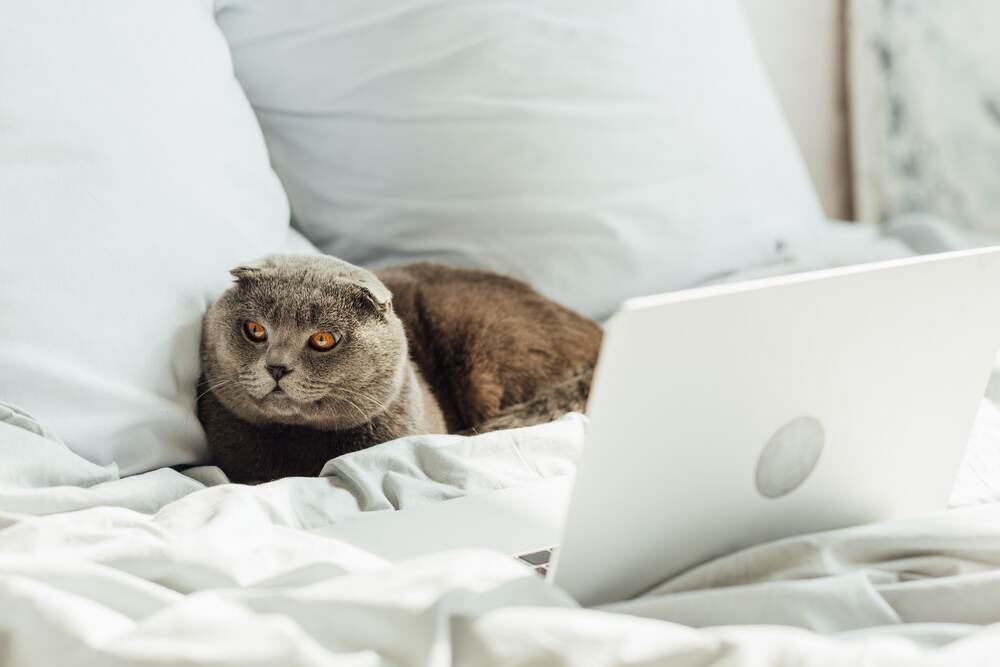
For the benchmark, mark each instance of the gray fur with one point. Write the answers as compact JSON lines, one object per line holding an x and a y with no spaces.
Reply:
{"x":364,"y":391}
{"x":567,"y":396}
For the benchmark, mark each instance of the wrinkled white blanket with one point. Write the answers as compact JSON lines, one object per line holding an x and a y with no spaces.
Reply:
{"x":166,"y":569}
{"x":162,"y":569}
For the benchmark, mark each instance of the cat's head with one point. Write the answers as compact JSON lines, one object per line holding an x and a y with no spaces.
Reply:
{"x":302,"y":339}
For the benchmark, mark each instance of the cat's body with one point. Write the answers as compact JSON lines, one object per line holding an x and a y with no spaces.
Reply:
{"x":307,"y":358}
{"x":485,"y":343}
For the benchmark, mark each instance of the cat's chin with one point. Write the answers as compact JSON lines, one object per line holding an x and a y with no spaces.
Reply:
{"x":280,"y":402}
{"x":274,"y":406}
{"x":279,"y":406}
{"x":277,"y":395}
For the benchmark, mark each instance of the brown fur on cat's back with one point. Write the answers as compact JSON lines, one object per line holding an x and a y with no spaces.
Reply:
{"x":486,"y":342}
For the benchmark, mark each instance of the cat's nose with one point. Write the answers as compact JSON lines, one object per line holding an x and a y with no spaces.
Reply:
{"x":278,"y":372}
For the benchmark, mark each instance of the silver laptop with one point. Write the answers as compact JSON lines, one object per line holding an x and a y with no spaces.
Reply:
{"x":728,"y":416}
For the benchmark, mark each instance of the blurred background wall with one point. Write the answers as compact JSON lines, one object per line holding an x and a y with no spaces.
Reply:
{"x":895,"y":103}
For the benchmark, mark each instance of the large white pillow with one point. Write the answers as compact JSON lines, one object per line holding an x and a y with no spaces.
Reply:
{"x":597,"y":148}
{"x":132,"y":176}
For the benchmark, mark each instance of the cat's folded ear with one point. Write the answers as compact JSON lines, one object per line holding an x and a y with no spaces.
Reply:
{"x":383,"y":307}
{"x":245,"y":272}
{"x":252,"y":270}
{"x":375,"y":294}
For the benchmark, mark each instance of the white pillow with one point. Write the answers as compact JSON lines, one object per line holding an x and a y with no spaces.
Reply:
{"x":599,"y":149}
{"x":132,"y":176}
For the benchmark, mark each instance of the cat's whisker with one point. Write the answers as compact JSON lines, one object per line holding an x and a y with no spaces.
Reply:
{"x":381,"y":406}
{"x":364,"y":416}
{"x":307,"y":396}
{"x":213,"y":388}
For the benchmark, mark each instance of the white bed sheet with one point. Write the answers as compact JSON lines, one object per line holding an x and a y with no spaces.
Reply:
{"x":160,"y":569}
{"x":167,"y":568}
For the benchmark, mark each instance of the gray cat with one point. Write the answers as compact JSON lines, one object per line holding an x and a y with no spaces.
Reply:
{"x":305,"y":358}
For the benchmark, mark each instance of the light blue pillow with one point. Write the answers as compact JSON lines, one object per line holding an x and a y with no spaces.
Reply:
{"x":597,"y":149}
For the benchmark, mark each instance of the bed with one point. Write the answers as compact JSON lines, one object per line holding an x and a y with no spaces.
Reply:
{"x":178,"y":567}
{"x":171,"y":565}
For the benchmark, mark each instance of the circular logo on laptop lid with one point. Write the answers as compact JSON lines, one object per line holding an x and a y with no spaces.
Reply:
{"x":790,"y":457}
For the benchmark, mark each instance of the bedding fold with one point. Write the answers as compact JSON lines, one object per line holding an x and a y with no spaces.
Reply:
{"x":164,"y":569}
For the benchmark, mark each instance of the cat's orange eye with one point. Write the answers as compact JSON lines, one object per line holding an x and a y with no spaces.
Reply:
{"x":255,"y":332}
{"x":324,"y":340}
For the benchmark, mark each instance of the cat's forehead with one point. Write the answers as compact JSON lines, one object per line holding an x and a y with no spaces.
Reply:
{"x":303,"y":269}
{"x":297,"y":303}
{"x":304,"y":291}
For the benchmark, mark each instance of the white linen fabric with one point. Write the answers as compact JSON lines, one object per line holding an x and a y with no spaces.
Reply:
{"x":159,"y":569}
{"x":599,"y":149}
{"x":133,"y":175}
{"x":163,"y":568}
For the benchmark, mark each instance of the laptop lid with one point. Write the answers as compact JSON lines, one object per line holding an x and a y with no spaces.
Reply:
{"x":728,"y":416}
